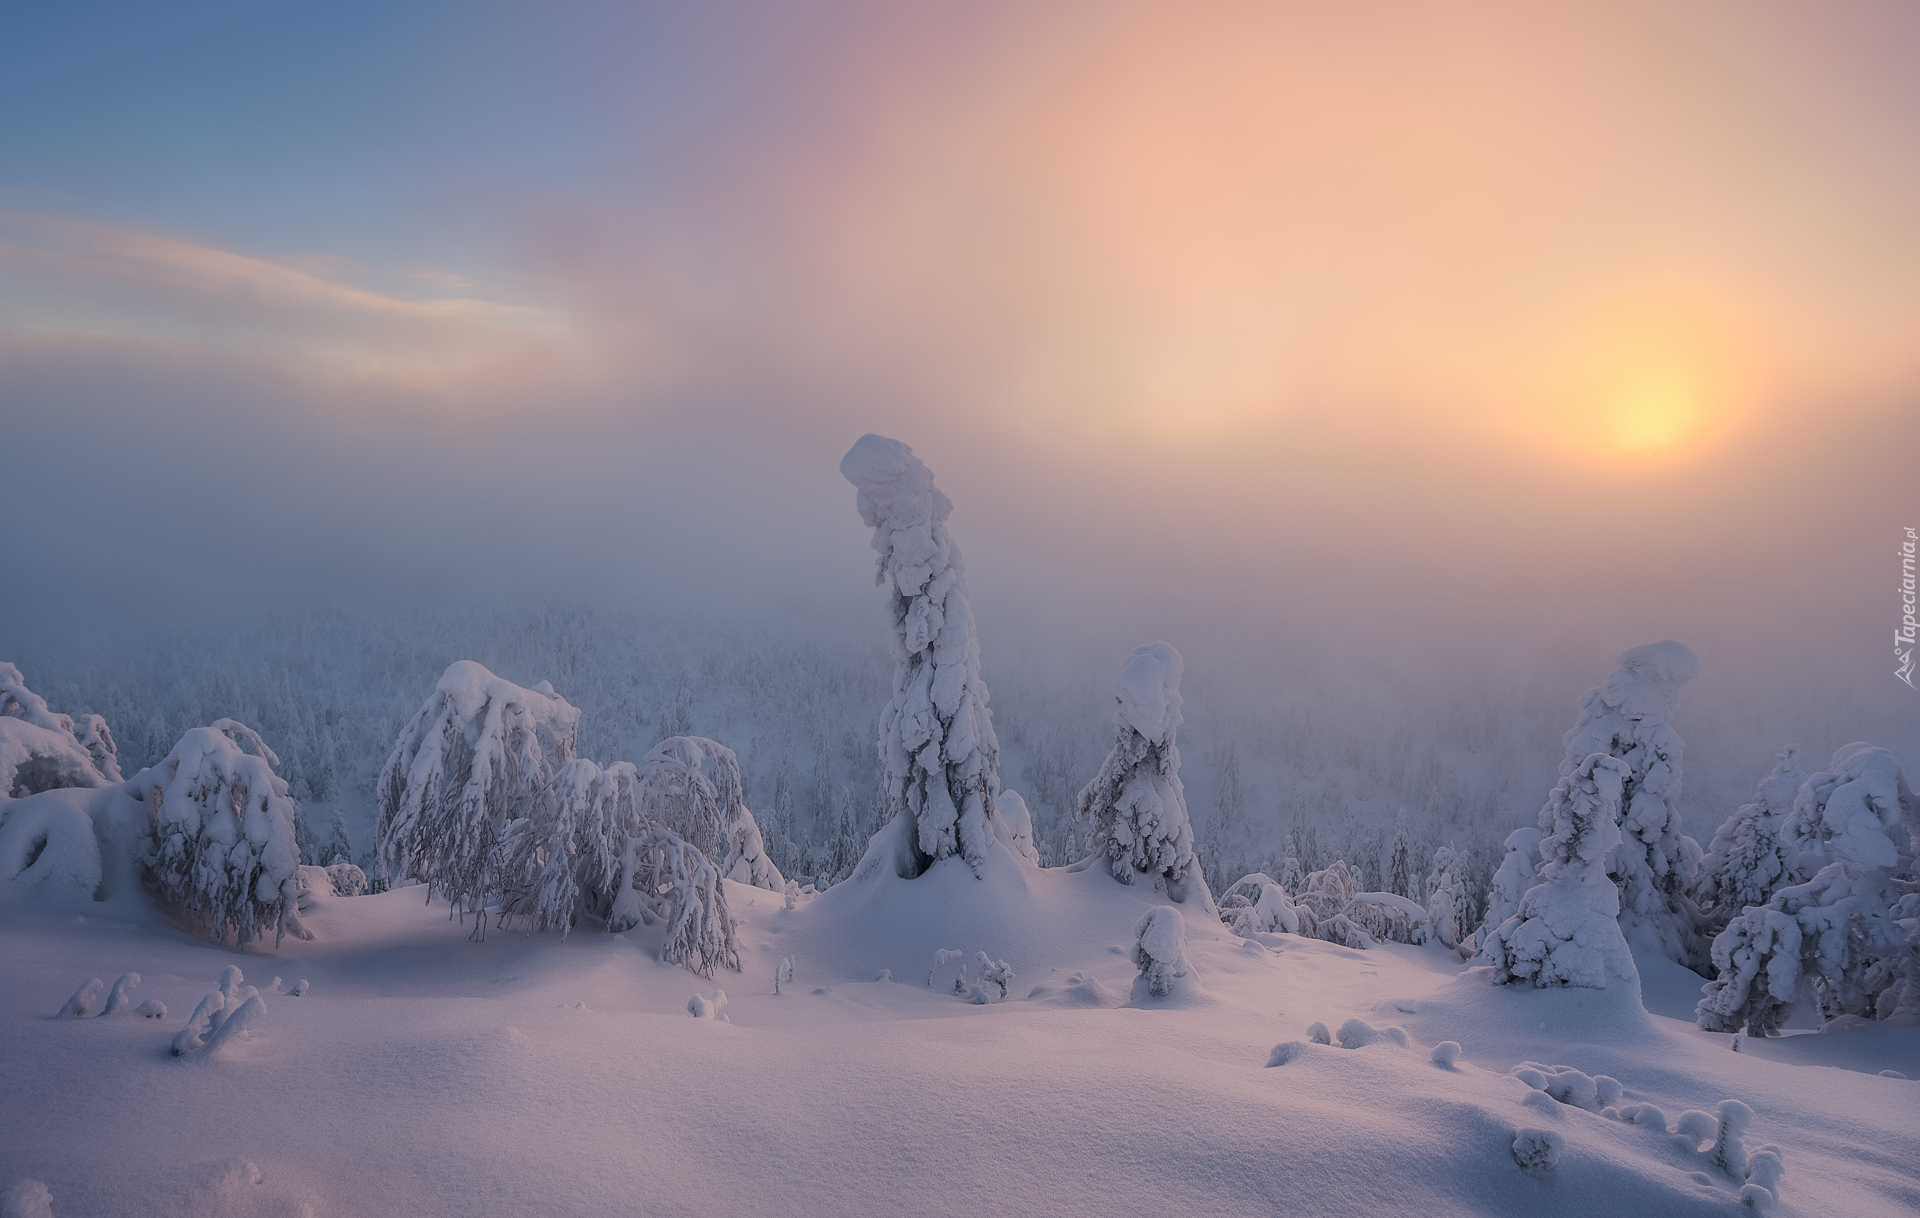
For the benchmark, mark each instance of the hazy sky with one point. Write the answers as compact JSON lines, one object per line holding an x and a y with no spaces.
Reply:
{"x":1590,"y":320}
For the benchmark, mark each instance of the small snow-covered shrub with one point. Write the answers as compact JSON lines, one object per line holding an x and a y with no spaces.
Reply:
{"x":1318,"y":1034}
{"x":46,"y":847}
{"x":222,"y":1016}
{"x":347,"y":880}
{"x":995,"y":976}
{"x":1358,"y":1033}
{"x":1288,"y":1051}
{"x":1446,"y":1053}
{"x":85,"y":1000}
{"x":1160,"y":949}
{"x":1566,"y":930}
{"x":714,"y":1008}
{"x":223,"y":835}
{"x":938,"y":753}
{"x":41,"y":750}
{"x":1537,"y":1150}
{"x":122,"y":995}
{"x":1255,"y":904}
{"x":1136,"y":806}
{"x":152,"y":1008}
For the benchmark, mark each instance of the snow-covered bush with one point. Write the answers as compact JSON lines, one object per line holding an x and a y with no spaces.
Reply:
{"x":1160,"y":949}
{"x":41,"y":749}
{"x":1843,"y":927}
{"x":993,"y":980}
{"x":1653,"y":865}
{"x":85,"y":1000}
{"x":120,"y":999}
{"x":1387,"y":918}
{"x":1537,"y":1150}
{"x":223,"y":840}
{"x":939,"y":757}
{"x":1014,"y":825}
{"x":1136,"y":805}
{"x":1754,"y":853}
{"x":1326,"y":896}
{"x":1254,"y":904}
{"x":1566,"y":931}
{"x":482,"y":751}
{"x":347,"y":879}
{"x":701,"y":1007}
{"x":222,"y":1016}
{"x":47,"y":846}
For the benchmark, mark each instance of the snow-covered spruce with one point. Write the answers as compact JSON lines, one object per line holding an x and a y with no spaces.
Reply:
{"x":1842,"y":928}
{"x":1754,"y":854}
{"x":1135,"y":805}
{"x":939,"y":758}
{"x":1441,"y":923}
{"x":41,"y":749}
{"x":1160,"y":949}
{"x":1653,"y":864}
{"x":1566,"y":931}
{"x":482,"y":751}
{"x":1327,"y":897}
{"x":223,"y":839}
{"x":1518,"y":871}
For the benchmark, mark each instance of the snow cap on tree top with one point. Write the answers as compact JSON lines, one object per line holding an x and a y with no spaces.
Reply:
{"x":894,"y":485}
{"x":1148,"y":690}
{"x":1647,"y":683}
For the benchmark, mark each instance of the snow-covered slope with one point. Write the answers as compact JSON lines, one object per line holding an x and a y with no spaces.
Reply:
{"x":426,"y":1074}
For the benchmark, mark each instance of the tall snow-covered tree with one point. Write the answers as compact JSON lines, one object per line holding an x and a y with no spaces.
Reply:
{"x":1754,"y":853}
{"x":939,"y":757}
{"x":1653,"y":865}
{"x":223,"y":836}
{"x":481,"y":752}
{"x":1842,"y":929}
{"x":41,"y":749}
{"x":1400,"y":862}
{"x":1135,"y":804}
{"x":339,"y":847}
{"x":1566,"y":931}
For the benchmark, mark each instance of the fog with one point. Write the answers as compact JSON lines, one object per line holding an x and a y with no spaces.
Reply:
{"x":1400,"y":381}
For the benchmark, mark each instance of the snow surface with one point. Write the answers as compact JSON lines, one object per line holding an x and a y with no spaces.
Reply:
{"x":427,"y":1074}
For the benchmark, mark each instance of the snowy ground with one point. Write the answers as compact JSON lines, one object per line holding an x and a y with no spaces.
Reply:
{"x":426,"y":1074}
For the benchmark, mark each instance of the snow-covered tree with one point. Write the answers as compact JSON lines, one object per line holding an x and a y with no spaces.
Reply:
{"x":1566,"y":931}
{"x":41,"y":749}
{"x":1518,"y":871}
{"x":1440,"y":899}
{"x":1160,"y":949}
{"x":223,"y":839}
{"x":1842,"y":928}
{"x":482,"y":751}
{"x":1136,"y":807}
{"x":1400,"y":862}
{"x":691,"y":785}
{"x":1255,"y":904}
{"x":1653,"y":865}
{"x":600,"y":844}
{"x":339,"y":847}
{"x":1015,"y":824}
{"x":1754,"y":853}
{"x":938,"y":754}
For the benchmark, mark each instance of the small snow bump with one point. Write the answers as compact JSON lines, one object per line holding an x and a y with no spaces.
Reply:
{"x":1446,"y":1053}
{"x":1288,"y":1051}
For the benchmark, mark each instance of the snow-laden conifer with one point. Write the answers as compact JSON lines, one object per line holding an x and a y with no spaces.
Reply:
{"x":1754,"y":853}
{"x":939,"y":758}
{"x":41,"y":749}
{"x":1842,"y":929}
{"x":1629,"y":718}
{"x":223,"y":837}
{"x":1441,"y":922}
{"x":1566,"y":931}
{"x":1400,"y":861}
{"x":482,"y":751}
{"x":1137,"y":809}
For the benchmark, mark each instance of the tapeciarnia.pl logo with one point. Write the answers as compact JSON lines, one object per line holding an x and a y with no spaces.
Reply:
{"x":1903,"y":637}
